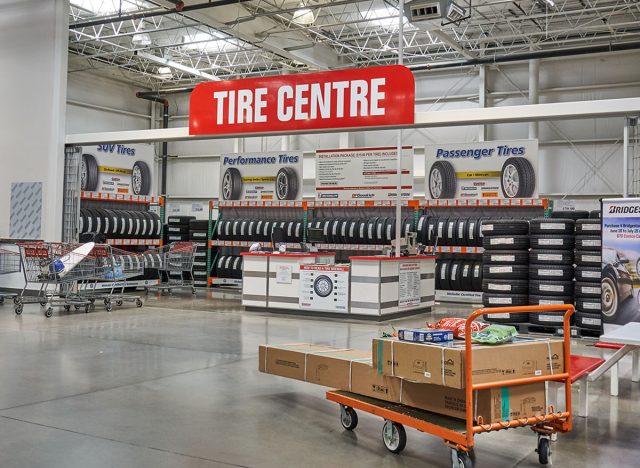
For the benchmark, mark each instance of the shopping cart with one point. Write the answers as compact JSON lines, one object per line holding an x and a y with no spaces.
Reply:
{"x":456,"y":433}
{"x":174,"y":263}
{"x":112,"y":267}
{"x":40,"y":264}
{"x":9,"y":263}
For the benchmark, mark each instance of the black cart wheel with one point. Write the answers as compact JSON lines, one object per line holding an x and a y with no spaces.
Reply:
{"x":140,"y":178}
{"x":86,"y":308}
{"x":517,"y":178}
{"x":348,"y":418}
{"x":48,"y":312}
{"x":286,"y":184}
{"x":138,"y":302}
{"x":18,"y":309}
{"x":544,"y":450}
{"x":17,"y":300}
{"x":88,"y":173}
{"x":461,"y":459}
{"x":231,"y":184}
{"x":118,"y":303}
{"x":67,"y":307}
{"x":442,"y":180}
{"x":394,"y":436}
{"x":108,"y":307}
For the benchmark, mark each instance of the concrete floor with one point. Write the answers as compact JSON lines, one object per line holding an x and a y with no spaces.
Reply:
{"x":175,"y":384}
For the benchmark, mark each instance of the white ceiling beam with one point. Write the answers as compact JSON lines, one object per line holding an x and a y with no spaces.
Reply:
{"x":448,"y":40}
{"x":177,"y":66}
{"x":450,"y":118}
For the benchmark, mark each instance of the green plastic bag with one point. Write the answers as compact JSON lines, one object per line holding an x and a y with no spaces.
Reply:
{"x":495,"y":334}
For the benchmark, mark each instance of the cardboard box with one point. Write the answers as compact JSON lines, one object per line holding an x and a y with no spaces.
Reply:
{"x":366,"y":381}
{"x":492,"y":405}
{"x":443,"y":364}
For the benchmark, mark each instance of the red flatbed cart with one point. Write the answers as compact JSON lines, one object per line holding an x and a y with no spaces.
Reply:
{"x":456,"y":433}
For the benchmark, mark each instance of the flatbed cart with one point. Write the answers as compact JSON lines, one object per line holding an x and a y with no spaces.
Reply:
{"x":459,"y":434}
{"x":9,"y":263}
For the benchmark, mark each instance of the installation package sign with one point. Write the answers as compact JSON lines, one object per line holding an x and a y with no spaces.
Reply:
{"x":363,"y":173}
{"x":261,"y":176}
{"x":491,"y":169}
{"x":119,"y":169}
{"x":620,"y":260}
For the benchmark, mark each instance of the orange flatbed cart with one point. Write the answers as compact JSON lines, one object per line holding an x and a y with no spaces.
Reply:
{"x":457,"y":433}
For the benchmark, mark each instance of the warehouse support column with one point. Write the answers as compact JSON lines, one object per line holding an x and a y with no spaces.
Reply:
{"x":238,"y":145}
{"x":346,"y":140}
{"x":534,"y":79}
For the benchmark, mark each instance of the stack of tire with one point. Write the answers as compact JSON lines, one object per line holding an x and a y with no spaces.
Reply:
{"x":120,"y":224}
{"x":450,"y":231}
{"x":505,"y":269}
{"x":551,"y":267}
{"x":588,"y":275}
{"x":258,"y":230}
{"x":178,"y":228}
{"x":227,"y":266}
{"x":198,"y":233}
{"x":455,"y":274}
{"x":378,"y":230}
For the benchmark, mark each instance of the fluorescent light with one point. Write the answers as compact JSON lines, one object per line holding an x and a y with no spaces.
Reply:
{"x":304,"y":15}
{"x":141,"y":39}
{"x":177,"y":66}
{"x":383,"y":17}
{"x":109,"y":7}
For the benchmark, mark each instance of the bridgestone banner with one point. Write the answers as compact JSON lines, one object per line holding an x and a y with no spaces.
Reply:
{"x":492,"y":169}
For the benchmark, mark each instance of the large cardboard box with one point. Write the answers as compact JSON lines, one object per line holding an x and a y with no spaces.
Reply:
{"x":351,"y":370}
{"x":443,"y":364}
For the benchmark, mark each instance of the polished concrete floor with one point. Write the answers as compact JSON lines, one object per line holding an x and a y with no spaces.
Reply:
{"x":174,"y":384}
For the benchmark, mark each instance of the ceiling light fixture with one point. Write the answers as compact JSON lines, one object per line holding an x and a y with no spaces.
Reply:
{"x":141,"y":38}
{"x":176,"y":66}
{"x":550,"y":3}
{"x":304,"y":15}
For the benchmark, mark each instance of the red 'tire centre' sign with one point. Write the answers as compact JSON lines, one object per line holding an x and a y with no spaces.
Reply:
{"x":359,"y":97}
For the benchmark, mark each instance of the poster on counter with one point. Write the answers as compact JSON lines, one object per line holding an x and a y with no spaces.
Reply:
{"x":490,"y":169}
{"x":118,"y":169}
{"x":408,"y":284}
{"x":324,"y":288}
{"x":284,"y":274}
{"x":620,"y":261}
{"x":261,"y":176}
{"x":363,"y":174}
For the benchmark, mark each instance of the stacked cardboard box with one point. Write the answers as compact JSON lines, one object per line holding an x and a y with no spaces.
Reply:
{"x":357,"y":372}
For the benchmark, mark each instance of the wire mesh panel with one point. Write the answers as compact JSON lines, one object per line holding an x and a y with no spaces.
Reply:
{"x":71,"y":194}
{"x":126,"y":265}
{"x":9,"y":262}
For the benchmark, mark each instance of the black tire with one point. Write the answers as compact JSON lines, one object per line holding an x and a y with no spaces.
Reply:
{"x":440,"y":231}
{"x":114,"y":223}
{"x":551,"y":272}
{"x":399,"y":437}
{"x":176,"y":229}
{"x":595,"y":214}
{"x":575,"y":215}
{"x":198,"y":225}
{"x":286,"y":184}
{"x":348,"y":418}
{"x":445,"y":274}
{"x":505,"y":317}
{"x":582,"y":289}
{"x":547,"y":319}
{"x":432,"y":229}
{"x":83,"y":225}
{"x":141,"y":178}
{"x":517,"y":178}
{"x":505,"y":257}
{"x":477,"y":277}
{"x":438,"y":284}
{"x":588,"y":274}
{"x":451,"y":230}
{"x":505,"y":272}
{"x":588,"y":321}
{"x":422,"y":230}
{"x":588,"y":227}
{"x":551,"y":242}
{"x":505,"y":242}
{"x":182,"y":220}
{"x":550,"y":288}
{"x":471,"y":237}
{"x":587,"y":258}
{"x":323,"y":286}
{"x":231,"y":185}
{"x":544,"y":451}
{"x":499,"y":227}
{"x":89,"y":173}
{"x":105,"y":222}
{"x":535,"y":299}
{"x":547,"y":226}
{"x":590,"y":305}
{"x":442,"y":181}
{"x":455,"y":278}
{"x":493,"y":286}
{"x":591,"y":243}
{"x":551,"y":257}
{"x":466,"y":280}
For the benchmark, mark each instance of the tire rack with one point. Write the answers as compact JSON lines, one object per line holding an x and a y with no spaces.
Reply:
{"x":302,"y":210}
{"x":489,"y":208}
{"x":119,"y":201}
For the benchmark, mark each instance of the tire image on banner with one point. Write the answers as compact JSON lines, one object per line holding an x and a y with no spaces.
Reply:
{"x":491,"y":169}
{"x":116,"y":168}
{"x":261,"y":176}
{"x":620,"y":287}
{"x":363,"y":174}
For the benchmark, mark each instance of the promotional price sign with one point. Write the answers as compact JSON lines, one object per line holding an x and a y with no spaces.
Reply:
{"x":620,"y":260}
{"x":324,"y":287}
{"x":354,"y":98}
{"x":261,"y":176}
{"x":408,"y":284}
{"x":492,"y":169}
{"x":118,"y":169}
{"x":363,"y":173}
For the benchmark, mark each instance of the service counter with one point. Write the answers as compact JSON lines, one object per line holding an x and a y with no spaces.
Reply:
{"x":374,"y":287}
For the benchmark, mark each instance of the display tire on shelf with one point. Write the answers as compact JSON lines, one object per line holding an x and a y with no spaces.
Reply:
{"x":588,"y":227}
{"x":536,"y":299}
{"x":547,"y":319}
{"x":590,"y":305}
{"x":518,"y":242}
{"x":574,"y":215}
{"x":455,"y":279}
{"x":178,"y":229}
{"x":504,"y":300}
{"x":595,"y":214}
{"x":445,"y":274}
{"x":462,"y":231}
{"x":198,"y":235}
{"x":442,"y":181}
{"x":505,"y":257}
{"x":184,"y":220}
{"x":587,"y":258}
{"x":504,"y":227}
{"x":551,"y":257}
{"x":588,"y":274}
{"x":548,"y":226}
{"x":517,"y":178}
{"x":591,"y":243}
{"x":582,"y":289}
{"x":513,"y":286}
{"x":505,"y":271}
{"x":507,"y":318}
{"x":588,"y":321}
{"x":451,"y":230}
{"x":466,"y":280}
{"x":477,"y":276}
{"x":551,"y":242}
{"x":551,"y":288}
{"x":551,"y":272}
